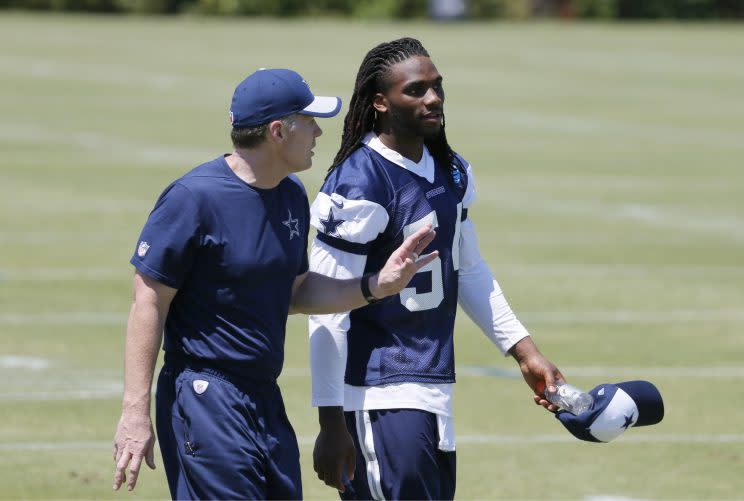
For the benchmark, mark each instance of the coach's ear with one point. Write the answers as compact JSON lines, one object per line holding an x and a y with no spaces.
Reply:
{"x":380,"y":103}
{"x":275,"y":130}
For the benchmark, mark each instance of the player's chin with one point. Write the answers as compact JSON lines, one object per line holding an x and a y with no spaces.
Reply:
{"x":431,"y":130}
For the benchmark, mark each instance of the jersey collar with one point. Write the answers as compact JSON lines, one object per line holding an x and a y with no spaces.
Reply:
{"x":424,"y":168}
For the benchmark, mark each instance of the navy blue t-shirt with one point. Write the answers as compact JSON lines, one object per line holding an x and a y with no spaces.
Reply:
{"x":233,"y":252}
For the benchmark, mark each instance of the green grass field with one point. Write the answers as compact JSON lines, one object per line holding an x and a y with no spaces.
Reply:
{"x":611,"y":208}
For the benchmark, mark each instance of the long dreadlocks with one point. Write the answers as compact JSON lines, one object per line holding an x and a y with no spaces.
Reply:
{"x":369,"y":81}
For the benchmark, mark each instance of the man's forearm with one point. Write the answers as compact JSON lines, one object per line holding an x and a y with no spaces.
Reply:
{"x":523,"y":349}
{"x":144,"y":335}
{"x":320,"y":294}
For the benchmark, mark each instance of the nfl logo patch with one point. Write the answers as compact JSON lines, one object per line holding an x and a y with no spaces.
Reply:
{"x":200,"y":386}
{"x":142,"y":249}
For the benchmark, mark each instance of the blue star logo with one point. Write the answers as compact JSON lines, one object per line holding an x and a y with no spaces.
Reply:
{"x":330,"y":225}
{"x":628,"y":421}
{"x":292,"y":224}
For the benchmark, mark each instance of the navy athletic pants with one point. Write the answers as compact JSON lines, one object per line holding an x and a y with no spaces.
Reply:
{"x":398,"y":456}
{"x":223,"y":439}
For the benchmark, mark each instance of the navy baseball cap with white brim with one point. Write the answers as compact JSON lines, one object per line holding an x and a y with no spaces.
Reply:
{"x":616,"y":408}
{"x":270,"y":94}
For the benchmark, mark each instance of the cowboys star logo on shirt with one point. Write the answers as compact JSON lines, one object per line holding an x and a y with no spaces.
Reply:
{"x":292,"y":224}
{"x":330,"y":225}
{"x":142,"y":249}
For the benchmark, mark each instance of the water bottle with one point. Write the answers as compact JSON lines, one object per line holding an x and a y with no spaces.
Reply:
{"x":570,"y":398}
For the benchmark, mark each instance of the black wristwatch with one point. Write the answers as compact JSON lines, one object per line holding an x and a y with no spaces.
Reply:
{"x":365,"y":288}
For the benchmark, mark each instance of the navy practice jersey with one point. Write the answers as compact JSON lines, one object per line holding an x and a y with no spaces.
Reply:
{"x":233,"y":252}
{"x":367,"y":206}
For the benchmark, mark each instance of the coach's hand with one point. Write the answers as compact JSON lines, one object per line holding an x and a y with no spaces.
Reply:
{"x":404,"y":263}
{"x":334,"y":451}
{"x":134,"y":441}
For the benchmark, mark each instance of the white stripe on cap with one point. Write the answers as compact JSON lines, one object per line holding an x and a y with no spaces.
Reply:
{"x":611,"y":422}
{"x":322,"y":106}
{"x":367,"y":444}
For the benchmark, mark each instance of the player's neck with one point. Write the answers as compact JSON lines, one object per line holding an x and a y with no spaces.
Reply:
{"x":410,"y":147}
{"x":254,"y":167}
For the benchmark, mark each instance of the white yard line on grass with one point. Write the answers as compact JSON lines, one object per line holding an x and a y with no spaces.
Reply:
{"x":65,"y":274}
{"x":725,"y":225}
{"x":55,"y":395}
{"x":616,"y":372}
{"x":618,"y":270}
{"x":85,"y":389}
{"x":69,"y":318}
{"x":575,"y":125}
{"x":98,"y":144}
{"x":23,"y":362}
{"x":307,"y":441}
{"x":631,"y":317}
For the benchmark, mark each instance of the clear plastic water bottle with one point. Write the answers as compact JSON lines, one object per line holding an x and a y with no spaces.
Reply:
{"x":570,"y":398}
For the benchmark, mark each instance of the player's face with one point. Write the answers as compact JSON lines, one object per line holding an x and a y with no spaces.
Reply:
{"x":300,"y":141}
{"x":414,"y":99}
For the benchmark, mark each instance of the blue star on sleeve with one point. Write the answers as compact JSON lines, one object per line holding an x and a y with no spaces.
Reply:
{"x":330,"y":225}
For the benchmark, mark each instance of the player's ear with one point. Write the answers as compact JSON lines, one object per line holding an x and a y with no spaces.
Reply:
{"x":380,"y":103}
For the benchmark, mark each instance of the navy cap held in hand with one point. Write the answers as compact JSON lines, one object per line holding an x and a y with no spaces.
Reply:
{"x":616,"y":408}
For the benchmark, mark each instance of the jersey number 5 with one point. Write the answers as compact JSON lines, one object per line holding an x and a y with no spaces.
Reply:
{"x":420,"y":301}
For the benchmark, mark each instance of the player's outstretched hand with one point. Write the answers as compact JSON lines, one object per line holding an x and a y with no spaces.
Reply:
{"x":404,"y":263}
{"x":134,"y":441}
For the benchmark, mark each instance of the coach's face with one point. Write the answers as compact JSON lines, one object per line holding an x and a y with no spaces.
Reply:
{"x":299,"y":141}
{"x":413,"y":100}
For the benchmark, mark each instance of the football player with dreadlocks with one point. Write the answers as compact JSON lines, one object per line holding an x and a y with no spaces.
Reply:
{"x":383,"y":373}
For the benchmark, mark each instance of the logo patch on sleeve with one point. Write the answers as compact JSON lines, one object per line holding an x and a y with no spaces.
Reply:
{"x":142,"y":248}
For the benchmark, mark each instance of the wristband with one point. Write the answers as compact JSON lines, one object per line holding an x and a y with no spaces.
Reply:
{"x":365,"y":288}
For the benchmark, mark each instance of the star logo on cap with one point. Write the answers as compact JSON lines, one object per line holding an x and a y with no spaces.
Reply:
{"x":292,"y":224}
{"x":330,"y":225}
{"x":628,"y":421}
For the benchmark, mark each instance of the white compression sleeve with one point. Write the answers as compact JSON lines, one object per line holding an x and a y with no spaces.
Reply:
{"x":328,"y":332}
{"x":481,"y":297}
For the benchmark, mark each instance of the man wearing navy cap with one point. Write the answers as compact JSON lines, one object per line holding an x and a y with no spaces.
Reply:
{"x":220,"y":263}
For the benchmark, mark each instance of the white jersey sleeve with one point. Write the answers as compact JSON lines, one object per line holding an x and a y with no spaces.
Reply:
{"x":328,"y":332}
{"x":479,"y":294}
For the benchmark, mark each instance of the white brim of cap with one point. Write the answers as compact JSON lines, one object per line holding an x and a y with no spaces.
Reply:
{"x":323,"y":106}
